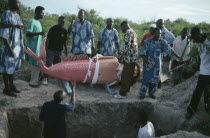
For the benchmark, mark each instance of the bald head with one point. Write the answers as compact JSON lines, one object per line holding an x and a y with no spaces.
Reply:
{"x":81,"y":14}
{"x":14,"y":5}
{"x":109,"y":23}
{"x":160,"y":23}
{"x":196,"y":34}
{"x":125,"y":26}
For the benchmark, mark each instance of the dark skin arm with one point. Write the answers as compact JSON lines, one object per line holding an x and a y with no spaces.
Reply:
{"x":65,"y":47}
{"x":10,"y":51}
{"x":93,"y":45}
{"x":65,"y":44}
{"x":30,"y":34}
{"x":176,"y":55}
{"x":118,"y":49}
{"x":70,"y":27}
{"x":73,"y":84}
{"x":98,"y":46}
{"x":3,"y":25}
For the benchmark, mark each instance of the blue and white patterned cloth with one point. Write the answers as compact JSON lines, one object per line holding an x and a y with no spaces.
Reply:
{"x":152,"y":50}
{"x":167,"y":36}
{"x":108,"y":39}
{"x":14,"y":36}
{"x":82,"y":34}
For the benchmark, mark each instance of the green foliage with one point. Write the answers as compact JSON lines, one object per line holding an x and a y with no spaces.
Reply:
{"x":98,"y":22}
{"x":3,"y":6}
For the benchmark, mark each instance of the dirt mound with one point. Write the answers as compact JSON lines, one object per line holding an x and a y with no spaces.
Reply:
{"x":95,"y":108}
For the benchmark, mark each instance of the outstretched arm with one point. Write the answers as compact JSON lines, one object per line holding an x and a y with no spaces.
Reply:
{"x":176,"y":55}
{"x":30,"y":34}
{"x":93,"y":45}
{"x":71,"y":104}
{"x":4,"y":25}
{"x":70,"y":27}
{"x":73,"y":84}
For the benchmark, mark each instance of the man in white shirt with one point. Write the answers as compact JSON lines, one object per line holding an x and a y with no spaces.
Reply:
{"x":203,"y":84}
{"x":146,"y":129}
{"x":181,"y":46}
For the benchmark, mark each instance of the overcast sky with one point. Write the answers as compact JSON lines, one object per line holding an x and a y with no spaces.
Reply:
{"x":136,"y":10}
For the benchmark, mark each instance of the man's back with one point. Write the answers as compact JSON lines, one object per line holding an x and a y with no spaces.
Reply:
{"x":53,"y":115}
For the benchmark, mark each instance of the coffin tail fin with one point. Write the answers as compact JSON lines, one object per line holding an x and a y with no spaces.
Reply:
{"x":42,"y":51}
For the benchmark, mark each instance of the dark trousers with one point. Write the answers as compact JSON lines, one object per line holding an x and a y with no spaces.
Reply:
{"x":53,"y":57}
{"x":127,"y":78}
{"x":203,"y":85}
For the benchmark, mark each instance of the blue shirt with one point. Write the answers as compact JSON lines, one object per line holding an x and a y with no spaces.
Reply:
{"x":82,"y":34}
{"x":152,"y":50}
{"x":108,"y":39}
{"x":167,"y":36}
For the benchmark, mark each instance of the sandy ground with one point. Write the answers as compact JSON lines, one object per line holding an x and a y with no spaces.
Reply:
{"x":30,"y":97}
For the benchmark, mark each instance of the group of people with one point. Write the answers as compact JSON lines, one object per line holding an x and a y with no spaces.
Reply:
{"x":157,"y":48}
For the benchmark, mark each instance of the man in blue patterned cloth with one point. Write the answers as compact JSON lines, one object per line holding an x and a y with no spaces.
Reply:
{"x":169,"y":38}
{"x":166,"y":34}
{"x":12,"y":47}
{"x":82,"y":41}
{"x":151,"y":51}
{"x":108,"y":40}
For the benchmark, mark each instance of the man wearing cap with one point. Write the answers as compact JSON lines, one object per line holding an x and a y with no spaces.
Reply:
{"x":53,"y":114}
{"x":148,"y":35}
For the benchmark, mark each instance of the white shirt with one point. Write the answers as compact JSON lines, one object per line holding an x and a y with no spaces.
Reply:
{"x":179,"y":46}
{"x":204,"y":50}
{"x":146,"y":131}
